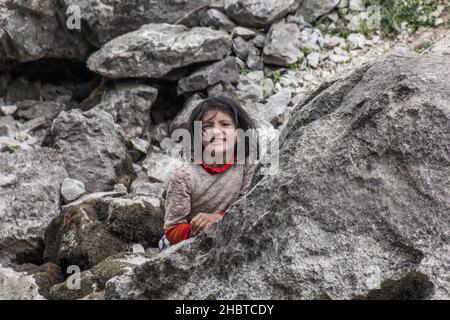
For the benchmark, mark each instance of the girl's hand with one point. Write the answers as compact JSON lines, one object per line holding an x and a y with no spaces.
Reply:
{"x":202,"y":220}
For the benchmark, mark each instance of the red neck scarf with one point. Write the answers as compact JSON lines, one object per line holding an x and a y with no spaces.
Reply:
{"x":214,"y":170}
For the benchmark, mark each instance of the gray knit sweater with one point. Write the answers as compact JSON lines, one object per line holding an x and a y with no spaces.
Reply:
{"x":192,"y":190}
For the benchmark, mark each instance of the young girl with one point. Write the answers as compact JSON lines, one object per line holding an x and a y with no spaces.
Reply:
{"x":199,"y":193}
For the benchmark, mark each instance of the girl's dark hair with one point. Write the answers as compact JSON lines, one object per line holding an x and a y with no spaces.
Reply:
{"x":241,"y":118}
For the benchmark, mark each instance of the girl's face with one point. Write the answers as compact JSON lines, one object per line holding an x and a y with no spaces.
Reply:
{"x":219,"y":133}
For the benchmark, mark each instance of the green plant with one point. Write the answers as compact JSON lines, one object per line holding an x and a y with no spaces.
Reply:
{"x":306,"y":50}
{"x":364,"y":27}
{"x":276,"y":76}
{"x":347,"y":45}
{"x":338,"y":28}
{"x":394,"y":13}
{"x":245,"y":71}
{"x":296,"y":66}
{"x":14,"y":147}
{"x":423,"y":46}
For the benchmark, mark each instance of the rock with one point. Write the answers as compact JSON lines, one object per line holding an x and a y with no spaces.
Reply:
{"x":309,"y":77}
{"x":108,"y":19}
{"x":223,"y":88}
{"x":441,"y":47}
{"x":42,"y":33}
{"x":372,"y":18}
{"x":136,"y":218}
{"x":158,"y":132}
{"x":217,"y":19}
{"x":101,"y":224}
{"x":361,"y":190}
{"x":224,"y":70}
{"x":299,"y":20}
{"x":242,"y":48}
{"x":249,"y":89}
{"x":277,"y":104}
{"x":309,"y":40}
{"x":140,"y":145}
{"x":29,"y":186}
{"x":95,"y":296}
{"x":7,"y":180}
{"x":123,"y":288}
{"x":68,"y":290}
{"x":137,"y":248}
{"x":121,"y":188}
{"x":244,"y":33}
{"x":31,"y":109}
{"x":182,"y":118}
{"x":143,"y":186}
{"x":273,"y":112}
{"x":313,"y":59}
{"x":119,"y":264}
{"x":22,"y":89}
{"x":8,"y":126}
{"x":282,"y":45}
{"x":72,"y":189}
{"x":130,"y":105}
{"x":340,"y":56}
{"x":267,"y":85}
{"x":258,"y":13}
{"x":32,"y":125}
{"x":159,"y":167}
{"x":91,"y":146}
{"x":156,"y":49}
{"x":18,"y":286}
{"x":356,"y":40}
{"x":5,"y":81}
{"x":93,"y":281}
{"x":46,"y":276}
{"x":8,"y":110}
{"x":289,"y":79}
{"x":77,"y":237}
{"x":312,"y":9}
{"x":332,"y":41}
{"x":254,"y":60}
{"x":259,"y":40}
{"x":356,"y":5}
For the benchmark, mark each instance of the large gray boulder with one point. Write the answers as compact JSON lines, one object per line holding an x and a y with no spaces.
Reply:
{"x":104,"y":20}
{"x":155,"y":50}
{"x":90,"y":144}
{"x":29,"y":187}
{"x":99,"y":225}
{"x":360,"y":198}
{"x":32,"y":30}
{"x":258,"y":13}
{"x":282,"y":46}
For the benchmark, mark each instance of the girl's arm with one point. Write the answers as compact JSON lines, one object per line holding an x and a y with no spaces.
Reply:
{"x":178,"y":206}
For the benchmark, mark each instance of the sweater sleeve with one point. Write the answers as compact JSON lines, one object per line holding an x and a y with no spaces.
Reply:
{"x":178,"y":198}
{"x":178,"y":233}
{"x":249,"y":170}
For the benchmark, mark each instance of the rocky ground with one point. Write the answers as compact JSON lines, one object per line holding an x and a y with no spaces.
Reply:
{"x":357,"y":90}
